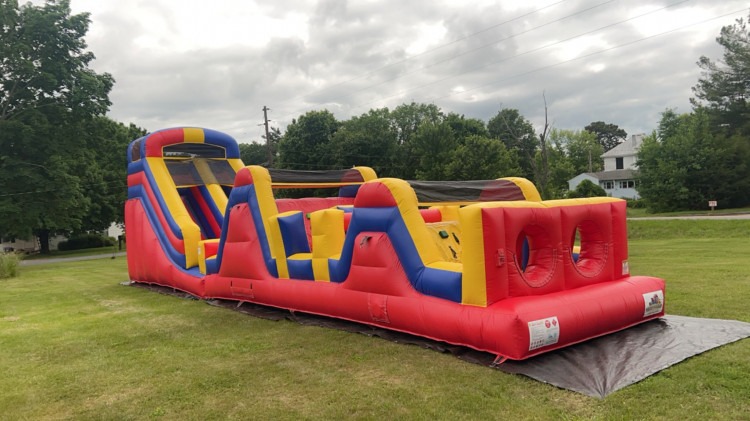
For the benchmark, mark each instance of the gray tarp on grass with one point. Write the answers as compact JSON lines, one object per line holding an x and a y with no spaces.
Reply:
{"x":604,"y":365}
{"x":595,"y":368}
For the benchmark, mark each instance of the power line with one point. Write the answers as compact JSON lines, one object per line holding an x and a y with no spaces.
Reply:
{"x":363,"y":75}
{"x":538,"y":49}
{"x":594,"y":53}
{"x":519,"y":55}
{"x":473,"y":50}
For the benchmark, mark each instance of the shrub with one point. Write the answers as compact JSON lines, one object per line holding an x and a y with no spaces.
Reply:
{"x":8,"y":265}
{"x":587,"y":189}
{"x":636,"y":203}
{"x":85,"y":241}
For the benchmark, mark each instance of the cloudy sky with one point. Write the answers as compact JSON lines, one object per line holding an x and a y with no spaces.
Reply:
{"x":216,"y":64}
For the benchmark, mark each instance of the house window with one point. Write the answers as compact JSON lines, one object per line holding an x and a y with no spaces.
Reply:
{"x":608,"y":185}
{"x":626,"y":184}
{"x":619,"y":164}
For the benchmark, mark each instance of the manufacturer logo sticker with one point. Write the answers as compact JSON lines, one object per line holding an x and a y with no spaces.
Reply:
{"x":653,"y":303}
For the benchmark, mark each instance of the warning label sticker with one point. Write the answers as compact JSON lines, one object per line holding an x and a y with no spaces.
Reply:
{"x":653,"y":303}
{"x":543,"y":332}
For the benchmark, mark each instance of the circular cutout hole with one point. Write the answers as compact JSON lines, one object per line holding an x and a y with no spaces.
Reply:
{"x":575,"y":246}
{"x":535,"y":256}
{"x":593,"y":249}
{"x":522,"y":251}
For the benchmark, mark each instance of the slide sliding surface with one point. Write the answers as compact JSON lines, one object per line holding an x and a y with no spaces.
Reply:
{"x":182,"y":178}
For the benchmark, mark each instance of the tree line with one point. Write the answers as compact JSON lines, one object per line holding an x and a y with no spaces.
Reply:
{"x":422,"y":142}
{"x":63,"y":161}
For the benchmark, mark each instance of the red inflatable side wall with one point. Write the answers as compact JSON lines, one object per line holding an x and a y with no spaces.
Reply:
{"x":147,"y":261}
{"x":550,"y":231}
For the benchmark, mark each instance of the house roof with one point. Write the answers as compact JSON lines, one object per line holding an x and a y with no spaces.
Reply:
{"x":627,"y":148}
{"x":613,"y":175}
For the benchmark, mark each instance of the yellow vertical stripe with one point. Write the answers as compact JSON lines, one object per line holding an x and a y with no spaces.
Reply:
{"x":191,"y":234}
{"x":212,"y":185}
{"x":406,"y":200}
{"x":194,"y":135}
{"x":236,"y":164}
{"x":327,"y":229}
{"x":276,"y":245}
{"x":205,"y":172}
{"x":268,"y":211}
{"x":474,"y":281}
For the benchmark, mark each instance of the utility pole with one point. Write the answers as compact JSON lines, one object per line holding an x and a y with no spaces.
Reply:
{"x":268,"y":136}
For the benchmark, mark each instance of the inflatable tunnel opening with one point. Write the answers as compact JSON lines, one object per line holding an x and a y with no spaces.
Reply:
{"x":536,"y":255}
{"x":592,"y":247}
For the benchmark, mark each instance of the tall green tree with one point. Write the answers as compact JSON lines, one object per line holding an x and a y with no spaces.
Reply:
{"x":257,"y":153}
{"x":47,"y":94}
{"x":687,"y":166}
{"x":581,"y":148}
{"x":607,"y":134}
{"x":518,"y":135}
{"x":104,"y":170}
{"x":253,"y":154}
{"x":560,"y":169}
{"x":369,"y":139}
{"x":407,"y":119}
{"x":464,"y":127}
{"x":724,"y":85}
{"x":481,"y":158}
{"x":434,"y":145}
{"x":306,"y":145}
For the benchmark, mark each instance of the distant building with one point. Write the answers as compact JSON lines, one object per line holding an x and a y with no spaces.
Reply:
{"x":618,"y":178}
{"x":9,"y":243}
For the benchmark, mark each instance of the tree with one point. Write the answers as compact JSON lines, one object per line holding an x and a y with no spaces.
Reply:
{"x":253,"y":154}
{"x":581,"y":148}
{"x":686,"y":167}
{"x":306,"y":143}
{"x":369,"y":140}
{"x":257,"y":153}
{"x":724,"y":86}
{"x":407,"y":118}
{"x":464,"y":127}
{"x":544,"y":157}
{"x":560,"y":166}
{"x":47,"y":96}
{"x":481,"y":158}
{"x":607,"y":134}
{"x":518,"y":135}
{"x":104,"y":170}
{"x":433,"y":144}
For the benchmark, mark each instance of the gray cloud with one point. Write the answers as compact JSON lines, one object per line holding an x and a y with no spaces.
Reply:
{"x":352,"y":56}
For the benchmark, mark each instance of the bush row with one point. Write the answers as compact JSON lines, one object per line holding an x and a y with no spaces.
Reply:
{"x":85,"y":241}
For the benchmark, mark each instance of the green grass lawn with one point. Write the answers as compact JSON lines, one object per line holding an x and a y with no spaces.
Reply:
{"x":74,"y":344}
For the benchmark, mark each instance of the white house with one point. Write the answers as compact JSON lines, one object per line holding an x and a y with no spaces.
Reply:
{"x":8,"y":243}
{"x":618,"y":178}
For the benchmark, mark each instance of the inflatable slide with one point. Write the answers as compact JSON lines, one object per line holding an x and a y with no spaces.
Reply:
{"x":483,"y":264}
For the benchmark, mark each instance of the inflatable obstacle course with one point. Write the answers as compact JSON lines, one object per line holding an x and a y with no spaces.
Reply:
{"x":484,"y":264}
